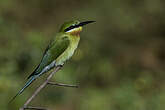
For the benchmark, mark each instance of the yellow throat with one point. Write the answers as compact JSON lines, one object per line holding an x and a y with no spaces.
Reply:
{"x":75,"y":31}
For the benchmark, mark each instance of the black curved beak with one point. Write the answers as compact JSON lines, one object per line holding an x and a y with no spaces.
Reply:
{"x":85,"y":22}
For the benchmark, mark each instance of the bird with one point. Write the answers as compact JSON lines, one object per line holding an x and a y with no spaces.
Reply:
{"x":60,"y":49}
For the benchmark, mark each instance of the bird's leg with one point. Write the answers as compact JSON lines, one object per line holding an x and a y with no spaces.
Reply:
{"x":61,"y":65}
{"x":62,"y":85}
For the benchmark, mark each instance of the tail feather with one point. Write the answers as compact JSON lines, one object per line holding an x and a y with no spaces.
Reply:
{"x":25,"y":86}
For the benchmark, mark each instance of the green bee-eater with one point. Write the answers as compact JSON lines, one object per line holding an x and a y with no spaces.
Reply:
{"x":58,"y":51}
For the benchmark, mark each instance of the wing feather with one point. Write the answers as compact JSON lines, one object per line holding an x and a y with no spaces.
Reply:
{"x":54,"y":50}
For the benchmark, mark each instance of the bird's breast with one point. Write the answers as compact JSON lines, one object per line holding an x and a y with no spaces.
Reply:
{"x":69,"y":51}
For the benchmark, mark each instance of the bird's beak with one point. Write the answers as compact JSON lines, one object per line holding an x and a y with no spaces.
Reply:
{"x":85,"y":22}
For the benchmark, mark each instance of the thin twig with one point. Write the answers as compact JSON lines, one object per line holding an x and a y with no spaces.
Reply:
{"x":35,"y":108}
{"x":39,"y":89}
{"x":60,"y":84}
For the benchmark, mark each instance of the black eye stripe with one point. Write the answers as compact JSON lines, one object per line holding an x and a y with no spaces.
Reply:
{"x":78,"y":25}
{"x":71,"y":27}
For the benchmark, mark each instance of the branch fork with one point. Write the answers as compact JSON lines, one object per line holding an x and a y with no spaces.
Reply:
{"x":46,"y":82}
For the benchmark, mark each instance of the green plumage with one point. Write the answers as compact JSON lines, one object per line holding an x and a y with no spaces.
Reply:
{"x":58,"y":51}
{"x":53,"y":51}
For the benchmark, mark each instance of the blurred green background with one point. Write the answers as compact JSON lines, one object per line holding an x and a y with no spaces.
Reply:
{"x":119,"y":65}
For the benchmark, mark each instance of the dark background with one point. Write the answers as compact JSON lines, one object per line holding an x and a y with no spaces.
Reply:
{"x":119,"y":64}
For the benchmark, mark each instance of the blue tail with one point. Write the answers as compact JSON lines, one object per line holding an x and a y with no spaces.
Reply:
{"x":31,"y":79}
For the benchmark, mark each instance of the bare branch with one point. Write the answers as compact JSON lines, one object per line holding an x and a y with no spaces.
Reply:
{"x":60,"y":84}
{"x":35,"y":108}
{"x":38,"y":90}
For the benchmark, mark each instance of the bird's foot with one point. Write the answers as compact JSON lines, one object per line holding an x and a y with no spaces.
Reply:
{"x":61,"y":65}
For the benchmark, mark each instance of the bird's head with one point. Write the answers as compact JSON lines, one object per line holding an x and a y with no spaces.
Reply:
{"x":73,"y":27}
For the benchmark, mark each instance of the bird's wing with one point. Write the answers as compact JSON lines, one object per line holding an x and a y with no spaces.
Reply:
{"x":54,"y":50}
